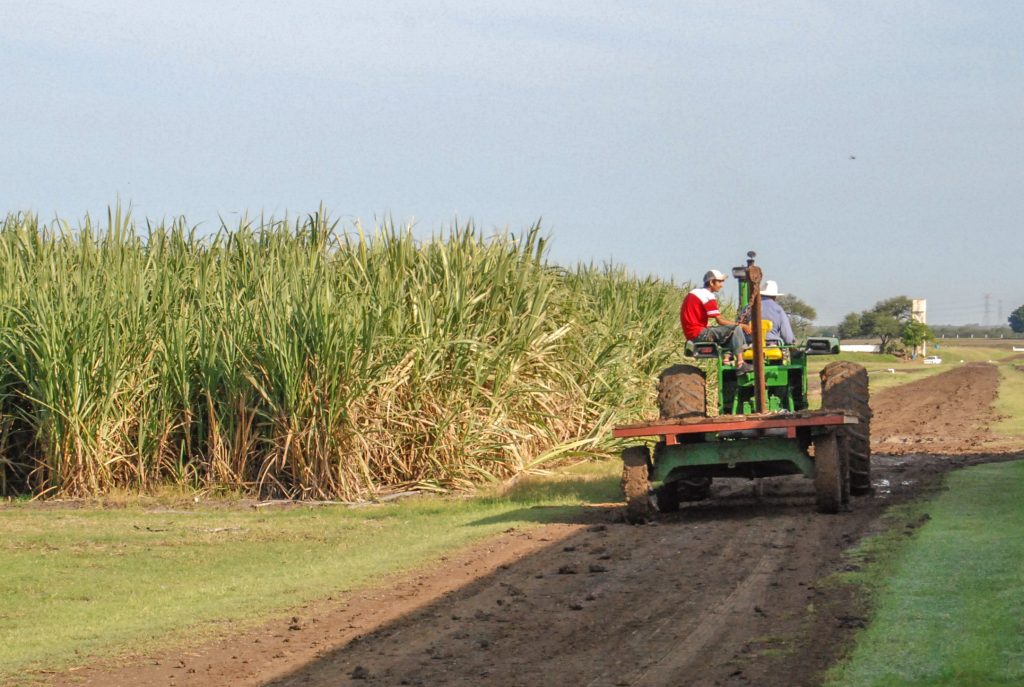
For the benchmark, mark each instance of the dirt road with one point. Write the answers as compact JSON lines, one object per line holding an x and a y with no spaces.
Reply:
{"x":725,"y":592}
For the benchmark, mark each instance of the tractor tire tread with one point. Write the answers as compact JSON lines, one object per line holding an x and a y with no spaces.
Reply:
{"x":681,"y":392}
{"x":844,"y":386}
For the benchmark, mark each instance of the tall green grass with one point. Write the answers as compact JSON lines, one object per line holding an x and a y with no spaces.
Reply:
{"x":299,"y":359}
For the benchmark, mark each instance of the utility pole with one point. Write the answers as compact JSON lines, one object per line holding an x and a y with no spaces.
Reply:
{"x":919,"y":313}
{"x":988,"y":307}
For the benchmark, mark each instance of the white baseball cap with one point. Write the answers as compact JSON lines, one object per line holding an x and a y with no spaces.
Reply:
{"x":713,"y":274}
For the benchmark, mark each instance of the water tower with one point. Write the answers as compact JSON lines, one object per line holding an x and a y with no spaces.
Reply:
{"x":918,"y":308}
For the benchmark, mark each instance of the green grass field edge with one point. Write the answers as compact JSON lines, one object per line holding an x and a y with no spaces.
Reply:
{"x":82,"y":585}
{"x":948,"y":599}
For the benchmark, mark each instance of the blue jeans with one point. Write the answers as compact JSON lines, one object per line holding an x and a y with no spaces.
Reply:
{"x":723,"y":335}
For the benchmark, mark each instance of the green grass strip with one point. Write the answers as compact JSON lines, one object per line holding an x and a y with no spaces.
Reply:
{"x":1010,"y":404}
{"x":952,"y":611}
{"x":88,"y":582}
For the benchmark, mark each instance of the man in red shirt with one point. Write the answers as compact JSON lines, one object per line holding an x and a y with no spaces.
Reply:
{"x":699,"y":306}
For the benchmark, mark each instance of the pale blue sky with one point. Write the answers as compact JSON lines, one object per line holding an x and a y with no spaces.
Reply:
{"x":667,"y":136}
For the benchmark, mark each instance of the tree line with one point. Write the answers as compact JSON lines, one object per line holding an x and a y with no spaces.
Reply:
{"x":891,"y":323}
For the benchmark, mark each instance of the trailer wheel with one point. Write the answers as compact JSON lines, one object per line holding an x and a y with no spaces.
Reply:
{"x":681,"y":392}
{"x":844,"y":386}
{"x":636,"y":462}
{"x":828,"y":479}
{"x":844,"y":467}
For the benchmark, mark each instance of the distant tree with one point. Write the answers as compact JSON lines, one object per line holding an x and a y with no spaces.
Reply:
{"x":823,"y":330}
{"x":885,"y":320}
{"x":850,"y":327}
{"x":801,"y":315}
{"x":1017,"y":320}
{"x":883,"y":325}
{"x":898,"y":307}
{"x":916,"y":333}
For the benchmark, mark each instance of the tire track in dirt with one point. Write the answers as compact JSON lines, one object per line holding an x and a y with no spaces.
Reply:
{"x":674,"y":652}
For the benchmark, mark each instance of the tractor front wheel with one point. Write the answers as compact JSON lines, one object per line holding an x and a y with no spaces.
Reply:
{"x":670,"y":495}
{"x":667,"y":497}
{"x":694,"y":488}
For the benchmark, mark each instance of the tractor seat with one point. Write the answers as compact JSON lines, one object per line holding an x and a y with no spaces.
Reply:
{"x":772,"y":353}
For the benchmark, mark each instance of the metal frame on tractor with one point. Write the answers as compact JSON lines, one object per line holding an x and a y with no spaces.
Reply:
{"x":761,"y":426}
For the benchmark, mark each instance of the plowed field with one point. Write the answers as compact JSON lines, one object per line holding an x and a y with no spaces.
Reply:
{"x":725,"y":592}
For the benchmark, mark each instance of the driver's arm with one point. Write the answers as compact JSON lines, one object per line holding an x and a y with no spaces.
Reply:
{"x":729,"y":323}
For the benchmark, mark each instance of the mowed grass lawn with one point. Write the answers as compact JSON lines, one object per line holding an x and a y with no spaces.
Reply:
{"x":80,"y":583}
{"x":1010,"y":404}
{"x":950,"y":604}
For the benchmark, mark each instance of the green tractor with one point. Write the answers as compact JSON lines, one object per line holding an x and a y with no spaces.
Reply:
{"x":752,"y":424}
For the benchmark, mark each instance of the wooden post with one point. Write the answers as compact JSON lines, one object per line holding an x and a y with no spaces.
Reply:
{"x":754,"y":277}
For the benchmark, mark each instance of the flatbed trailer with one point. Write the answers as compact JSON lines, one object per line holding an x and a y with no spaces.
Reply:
{"x":808,"y":442}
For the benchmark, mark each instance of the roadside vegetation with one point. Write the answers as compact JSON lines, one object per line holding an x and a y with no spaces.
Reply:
{"x":948,"y":604}
{"x":297,"y":360}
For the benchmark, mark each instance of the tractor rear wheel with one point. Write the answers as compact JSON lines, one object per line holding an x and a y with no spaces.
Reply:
{"x":844,"y":386}
{"x":681,"y":392}
{"x":828,"y":473}
{"x":636,"y":463}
